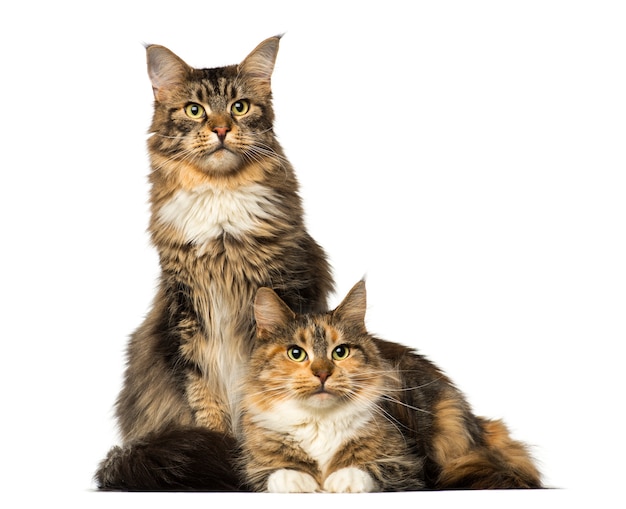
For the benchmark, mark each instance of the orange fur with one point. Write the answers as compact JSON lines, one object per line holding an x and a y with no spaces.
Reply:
{"x":492,"y":460}
{"x":209,"y":408}
{"x":227,"y":219}
{"x":175,"y":175}
{"x":451,"y":438}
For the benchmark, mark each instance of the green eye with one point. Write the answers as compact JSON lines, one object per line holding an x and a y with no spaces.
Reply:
{"x":296,"y":354}
{"x":341,"y":352}
{"x":194,"y":111}
{"x":240,"y":107}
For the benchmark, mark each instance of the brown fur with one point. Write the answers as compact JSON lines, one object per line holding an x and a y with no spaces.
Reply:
{"x":226,"y":220}
{"x":289,"y":429}
{"x":186,"y":359}
{"x":456,"y":449}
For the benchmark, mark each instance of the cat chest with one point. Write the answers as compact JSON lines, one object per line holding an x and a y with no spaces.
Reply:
{"x":204,"y":214}
{"x":321,"y":437}
{"x":321,"y":441}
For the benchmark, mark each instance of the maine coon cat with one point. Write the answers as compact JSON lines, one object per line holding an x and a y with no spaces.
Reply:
{"x":226,"y":220}
{"x":315,"y":405}
{"x":330,"y":407}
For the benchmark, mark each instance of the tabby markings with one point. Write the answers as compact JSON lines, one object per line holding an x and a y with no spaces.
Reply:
{"x":206,"y":213}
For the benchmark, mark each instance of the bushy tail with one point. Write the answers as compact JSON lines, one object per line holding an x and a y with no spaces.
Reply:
{"x":486,"y":458}
{"x":182,"y":459}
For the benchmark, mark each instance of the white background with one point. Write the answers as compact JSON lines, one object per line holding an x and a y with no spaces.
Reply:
{"x":466,"y":156}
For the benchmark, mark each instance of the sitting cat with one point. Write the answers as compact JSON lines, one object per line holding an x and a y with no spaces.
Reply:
{"x":315,"y":414}
{"x":325,"y":410}
{"x":226,"y":220}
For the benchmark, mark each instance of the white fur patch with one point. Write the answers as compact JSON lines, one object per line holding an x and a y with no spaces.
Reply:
{"x":286,"y":480}
{"x":320,"y":436}
{"x":206,"y":213}
{"x":349,"y":480}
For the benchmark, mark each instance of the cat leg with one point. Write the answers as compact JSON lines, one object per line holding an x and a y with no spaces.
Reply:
{"x":287,"y":480}
{"x":349,"y":480}
{"x":208,"y":406}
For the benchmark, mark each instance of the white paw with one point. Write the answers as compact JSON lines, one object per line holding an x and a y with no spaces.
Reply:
{"x":349,"y":480}
{"x":291,"y":481}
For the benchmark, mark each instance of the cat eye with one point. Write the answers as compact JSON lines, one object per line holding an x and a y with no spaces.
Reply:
{"x":194,"y":111}
{"x":341,"y":352}
{"x":240,"y":107}
{"x":297,"y":354}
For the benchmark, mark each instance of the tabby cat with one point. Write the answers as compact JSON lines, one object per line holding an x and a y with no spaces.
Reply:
{"x":315,"y":405}
{"x":329,"y":407}
{"x":227,"y":219}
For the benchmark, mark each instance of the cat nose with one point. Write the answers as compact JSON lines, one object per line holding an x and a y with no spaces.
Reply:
{"x":221,"y":132}
{"x":322,"y":369}
{"x":322,"y":375}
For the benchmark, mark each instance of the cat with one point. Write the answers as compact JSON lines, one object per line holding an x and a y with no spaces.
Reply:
{"x":315,"y":414}
{"x":329,"y":407}
{"x":226,"y":219}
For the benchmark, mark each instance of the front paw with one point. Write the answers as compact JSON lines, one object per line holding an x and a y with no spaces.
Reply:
{"x":291,"y":481}
{"x":349,"y":480}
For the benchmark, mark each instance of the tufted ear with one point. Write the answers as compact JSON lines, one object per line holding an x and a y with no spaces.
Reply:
{"x":167,"y":71}
{"x":270,"y":312}
{"x":259,"y":64}
{"x":352,"y":308}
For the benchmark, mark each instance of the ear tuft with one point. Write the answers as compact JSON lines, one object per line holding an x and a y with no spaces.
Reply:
{"x":166,"y":70}
{"x":259,"y":64}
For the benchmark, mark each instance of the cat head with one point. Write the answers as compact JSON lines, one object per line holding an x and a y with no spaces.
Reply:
{"x":215,"y":120}
{"x":319,"y":361}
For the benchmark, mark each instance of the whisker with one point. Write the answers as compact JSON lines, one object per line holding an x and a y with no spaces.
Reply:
{"x":402,"y":403}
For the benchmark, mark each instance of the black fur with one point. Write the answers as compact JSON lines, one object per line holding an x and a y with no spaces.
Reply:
{"x":181,"y":459}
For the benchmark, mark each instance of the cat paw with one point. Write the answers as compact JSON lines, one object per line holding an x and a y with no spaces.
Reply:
{"x":291,"y":481}
{"x":349,"y":480}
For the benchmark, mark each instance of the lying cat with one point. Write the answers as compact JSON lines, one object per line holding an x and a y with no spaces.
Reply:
{"x":226,"y":220}
{"x":325,"y":410}
{"x":315,"y":412}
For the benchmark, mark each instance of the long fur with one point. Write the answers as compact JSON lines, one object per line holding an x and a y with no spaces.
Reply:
{"x":295,"y":438}
{"x":191,"y":458}
{"x":226,"y":220}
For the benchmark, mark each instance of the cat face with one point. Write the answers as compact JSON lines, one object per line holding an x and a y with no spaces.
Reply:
{"x":315,"y":365}
{"x":216,"y":120}
{"x":319,"y":362}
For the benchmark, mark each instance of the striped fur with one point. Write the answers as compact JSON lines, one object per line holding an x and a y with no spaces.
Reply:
{"x":322,"y":424}
{"x":442,"y":444}
{"x":226,"y":220}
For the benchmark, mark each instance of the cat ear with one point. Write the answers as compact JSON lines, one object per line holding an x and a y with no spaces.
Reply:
{"x":166,"y":70}
{"x":352,"y":308}
{"x":260,"y":63}
{"x":270,"y":312}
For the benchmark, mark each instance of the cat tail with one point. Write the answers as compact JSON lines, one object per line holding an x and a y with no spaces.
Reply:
{"x":180,"y":459}
{"x":477,"y":453}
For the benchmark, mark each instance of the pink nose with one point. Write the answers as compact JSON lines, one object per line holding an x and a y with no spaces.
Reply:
{"x":221,"y":132}
{"x":322,"y":375}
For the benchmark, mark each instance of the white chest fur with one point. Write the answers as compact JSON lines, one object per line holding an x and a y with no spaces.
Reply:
{"x":320,"y":436}
{"x":206,"y":213}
